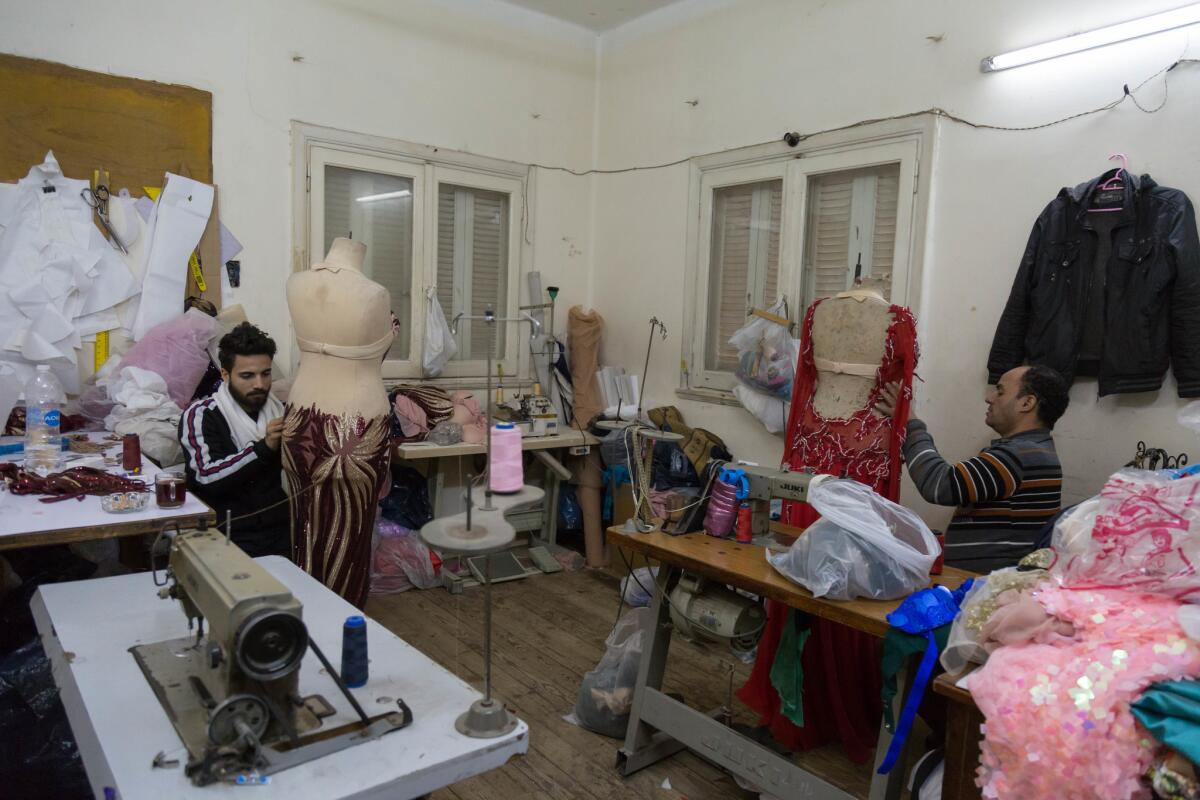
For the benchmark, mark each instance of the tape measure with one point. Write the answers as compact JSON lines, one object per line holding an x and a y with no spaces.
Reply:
{"x":194,"y":263}
{"x":100,"y":352}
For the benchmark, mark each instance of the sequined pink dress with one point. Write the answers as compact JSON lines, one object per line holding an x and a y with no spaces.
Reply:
{"x":1058,"y":720}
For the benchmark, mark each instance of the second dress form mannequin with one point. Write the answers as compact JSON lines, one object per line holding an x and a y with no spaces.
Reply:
{"x":337,"y":422}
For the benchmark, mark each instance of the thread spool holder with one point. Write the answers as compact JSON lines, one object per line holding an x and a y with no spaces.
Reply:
{"x":490,"y":319}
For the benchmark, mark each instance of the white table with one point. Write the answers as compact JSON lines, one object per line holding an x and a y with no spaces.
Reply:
{"x":545,"y":519}
{"x":87,"y":628}
{"x":27,"y":522}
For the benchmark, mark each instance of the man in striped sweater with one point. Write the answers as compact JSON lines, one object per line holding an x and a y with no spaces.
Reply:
{"x":1012,"y":488}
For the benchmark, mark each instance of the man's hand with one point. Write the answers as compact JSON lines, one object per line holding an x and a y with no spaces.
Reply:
{"x":888,"y":395}
{"x":274,"y":433}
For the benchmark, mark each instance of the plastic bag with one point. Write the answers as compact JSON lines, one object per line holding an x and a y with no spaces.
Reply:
{"x":771,"y":410}
{"x":407,"y":503}
{"x":440,"y":346}
{"x":1146,"y":538}
{"x":445,"y":432}
{"x":606,"y":693}
{"x":636,"y":588}
{"x":1073,"y":531}
{"x":767,"y":354}
{"x":401,"y":561}
{"x":177,"y":350}
{"x":863,"y":546}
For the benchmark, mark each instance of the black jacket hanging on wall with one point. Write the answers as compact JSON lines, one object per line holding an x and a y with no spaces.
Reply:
{"x":1151,"y":296}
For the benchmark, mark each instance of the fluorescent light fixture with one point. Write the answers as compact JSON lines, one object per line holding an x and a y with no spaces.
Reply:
{"x":1121,"y":32}
{"x":370,"y":198}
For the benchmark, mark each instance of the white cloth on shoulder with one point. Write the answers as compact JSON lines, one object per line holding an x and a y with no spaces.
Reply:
{"x":245,"y":430}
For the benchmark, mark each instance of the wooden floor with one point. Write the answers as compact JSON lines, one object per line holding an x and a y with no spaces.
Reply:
{"x":548,"y":630}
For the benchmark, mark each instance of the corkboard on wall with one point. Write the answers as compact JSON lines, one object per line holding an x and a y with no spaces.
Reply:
{"x":135,"y":129}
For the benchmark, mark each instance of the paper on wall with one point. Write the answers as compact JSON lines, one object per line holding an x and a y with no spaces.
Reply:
{"x":174,"y":230}
{"x":56,"y":270}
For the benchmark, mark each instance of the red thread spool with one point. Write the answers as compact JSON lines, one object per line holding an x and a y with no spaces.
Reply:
{"x":744,"y":524}
{"x":131,"y":454}
{"x":936,"y":569}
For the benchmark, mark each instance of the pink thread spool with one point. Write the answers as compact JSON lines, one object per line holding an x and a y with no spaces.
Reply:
{"x":505,"y":474}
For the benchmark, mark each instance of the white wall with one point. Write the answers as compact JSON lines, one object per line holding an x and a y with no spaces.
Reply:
{"x":460,"y":74}
{"x":471,"y":75}
{"x":761,"y":68}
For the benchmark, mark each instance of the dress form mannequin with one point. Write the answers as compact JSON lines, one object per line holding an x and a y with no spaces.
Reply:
{"x":849,"y":335}
{"x":337,"y":422}
{"x":851,"y":345}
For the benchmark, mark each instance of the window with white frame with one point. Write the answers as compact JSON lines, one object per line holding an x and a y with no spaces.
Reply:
{"x":432,"y":221}
{"x":771,"y":222}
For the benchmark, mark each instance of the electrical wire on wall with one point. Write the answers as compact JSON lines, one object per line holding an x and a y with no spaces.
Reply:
{"x":795,"y":138}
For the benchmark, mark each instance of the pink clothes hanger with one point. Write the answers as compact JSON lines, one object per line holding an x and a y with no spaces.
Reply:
{"x":1115,"y":182}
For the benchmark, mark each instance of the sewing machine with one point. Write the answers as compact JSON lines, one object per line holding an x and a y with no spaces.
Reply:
{"x":767,"y":483}
{"x":232,"y":692}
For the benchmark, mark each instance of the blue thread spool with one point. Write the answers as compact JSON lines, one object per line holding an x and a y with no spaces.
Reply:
{"x":354,"y":652}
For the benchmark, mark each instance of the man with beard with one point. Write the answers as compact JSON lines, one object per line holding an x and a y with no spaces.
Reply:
{"x":231,"y":446}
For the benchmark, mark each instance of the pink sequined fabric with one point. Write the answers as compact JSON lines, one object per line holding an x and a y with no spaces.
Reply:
{"x":1058,"y":720}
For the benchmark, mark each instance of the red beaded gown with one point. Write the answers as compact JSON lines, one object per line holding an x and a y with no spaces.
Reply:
{"x":842,"y":683}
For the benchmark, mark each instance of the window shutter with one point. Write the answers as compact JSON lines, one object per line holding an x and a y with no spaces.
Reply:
{"x":771,"y":281}
{"x":489,"y":267}
{"x":887,"y":197}
{"x":337,"y":206}
{"x":445,"y":252}
{"x":829,"y":234}
{"x":744,"y":255}
{"x":729,"y":275}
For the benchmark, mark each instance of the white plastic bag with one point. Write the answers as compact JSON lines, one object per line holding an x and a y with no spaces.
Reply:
{"x":606,"y":693}
{"x":638,"y":591}
{"x":863,"y":546}
{"x":772,"y":411}
{"x":440,"y":346}
{"x":767,"y":354}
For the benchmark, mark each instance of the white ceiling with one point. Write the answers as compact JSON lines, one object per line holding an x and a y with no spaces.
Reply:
{"x":596,"y":15}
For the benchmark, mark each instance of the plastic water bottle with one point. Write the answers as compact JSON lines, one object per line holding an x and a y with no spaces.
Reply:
{"x":43,"y":418}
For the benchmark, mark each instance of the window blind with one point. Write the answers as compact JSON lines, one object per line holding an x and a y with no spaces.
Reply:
{"x":472,"y":259}
{"x":831,"y":252}
{"x":743,"y":262}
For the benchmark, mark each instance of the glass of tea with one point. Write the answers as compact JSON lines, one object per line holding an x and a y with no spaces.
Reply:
{"x":170,"y":489}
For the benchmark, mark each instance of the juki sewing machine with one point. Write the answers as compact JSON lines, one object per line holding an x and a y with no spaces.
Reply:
{"x":232,"y":692}
{"x":766,"y":484}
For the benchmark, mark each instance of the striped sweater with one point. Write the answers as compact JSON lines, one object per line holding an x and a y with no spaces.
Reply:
{"x":1004,"y":495}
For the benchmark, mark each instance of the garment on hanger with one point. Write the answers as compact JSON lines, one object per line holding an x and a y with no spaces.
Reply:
{"x":842,"y":682}
{"x":1124,"y":316}
{"x":336,"y":468}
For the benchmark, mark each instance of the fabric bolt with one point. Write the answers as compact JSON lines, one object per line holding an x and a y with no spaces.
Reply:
{"x":584,"y":331}
{"x":842,"y":683}
{"x":1170,"y":711}
{"x":336,"y":467}
{"x":1058,"y":718}
{"x":1003,"y":496}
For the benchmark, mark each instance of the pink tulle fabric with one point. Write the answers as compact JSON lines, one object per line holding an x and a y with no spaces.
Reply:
{"x":1058,"y":720}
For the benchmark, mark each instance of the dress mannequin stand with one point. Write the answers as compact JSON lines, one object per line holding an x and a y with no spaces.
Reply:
{"x":851,"y":345}
{"x":337,"y":421}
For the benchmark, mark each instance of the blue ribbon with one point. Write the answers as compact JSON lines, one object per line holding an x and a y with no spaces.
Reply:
{"x":915,"y":693}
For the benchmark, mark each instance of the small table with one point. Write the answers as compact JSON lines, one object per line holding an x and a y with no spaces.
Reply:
{"x":87,"y":627}
{"x":743,"y":566}
{"x":25,"y":521}
{"x":547,"y":519}
{"x":964,"y":723}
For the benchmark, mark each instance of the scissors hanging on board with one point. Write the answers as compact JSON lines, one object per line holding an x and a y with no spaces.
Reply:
{"x":97,"y":200}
